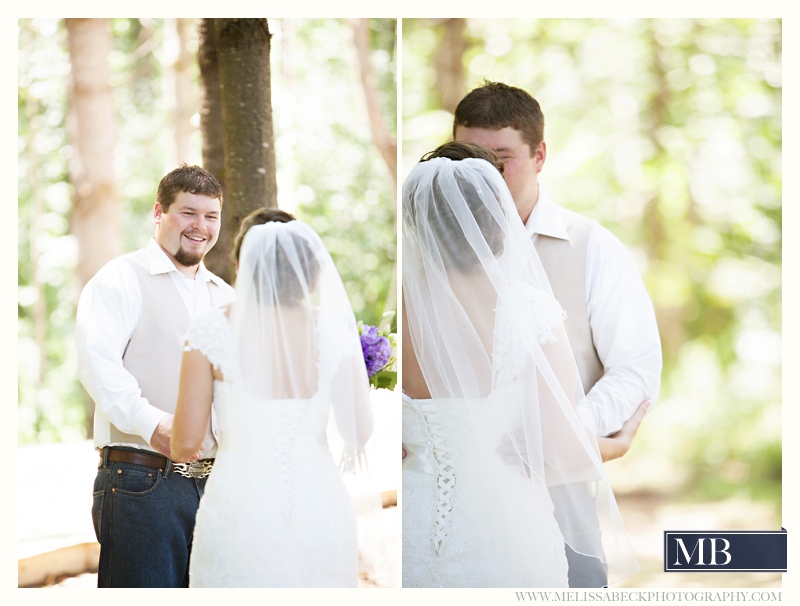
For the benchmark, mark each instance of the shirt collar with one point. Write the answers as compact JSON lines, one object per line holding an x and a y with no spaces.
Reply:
{"x":545,"y":220}
{"x":160,"y":263}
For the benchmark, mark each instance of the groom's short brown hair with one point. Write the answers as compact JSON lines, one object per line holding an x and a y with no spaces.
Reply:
{"x":495,"y":106}
{"x":192,"y":179}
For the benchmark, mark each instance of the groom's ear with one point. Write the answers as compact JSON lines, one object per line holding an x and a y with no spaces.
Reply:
{"x":157,"y":212}
{"x":540,"y":155}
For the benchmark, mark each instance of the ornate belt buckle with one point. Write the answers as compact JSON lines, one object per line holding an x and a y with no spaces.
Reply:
{"x":198,"y":469}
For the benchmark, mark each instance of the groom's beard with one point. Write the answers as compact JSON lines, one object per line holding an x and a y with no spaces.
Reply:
{"x":188,"y":259}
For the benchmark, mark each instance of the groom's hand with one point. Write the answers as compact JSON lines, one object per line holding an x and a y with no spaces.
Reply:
{"x":617,"y":444}
{"x":160,"y":438}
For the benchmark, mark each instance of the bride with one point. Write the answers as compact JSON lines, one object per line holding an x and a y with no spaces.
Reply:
{"x":498,"y":466}
{"x":275,"y":511}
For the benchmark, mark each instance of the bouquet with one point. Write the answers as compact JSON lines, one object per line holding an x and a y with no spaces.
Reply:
{"x":380,"y":353}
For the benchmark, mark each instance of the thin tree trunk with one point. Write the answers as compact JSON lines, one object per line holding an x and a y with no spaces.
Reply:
{"x":451,"y":81}
{"x":182,"y":106}
{"x":243,"y":47}
{"x":95,"y":221}
{"x":386,"y":144}
{"x":36,"y":232}
{"x":670,"y":319}
{"x":211,"y":128}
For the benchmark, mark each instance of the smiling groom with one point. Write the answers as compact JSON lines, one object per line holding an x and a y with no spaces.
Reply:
{"x":131,"y":320}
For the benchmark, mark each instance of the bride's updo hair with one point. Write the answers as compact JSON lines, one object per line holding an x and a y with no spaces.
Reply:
{"x":288,"y":288}
{"x":457,"y":252}
{"x":461,"y":150}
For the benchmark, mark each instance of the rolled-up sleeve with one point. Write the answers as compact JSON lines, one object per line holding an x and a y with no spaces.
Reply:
{"x":108,"y":312}
{"x":624,"y":332}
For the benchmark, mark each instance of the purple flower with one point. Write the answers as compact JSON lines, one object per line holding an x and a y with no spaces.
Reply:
{"x":376,"y":349}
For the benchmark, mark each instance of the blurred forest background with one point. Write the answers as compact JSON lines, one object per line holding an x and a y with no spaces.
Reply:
{"x":333,"y":99}
{"x":668,"y":132}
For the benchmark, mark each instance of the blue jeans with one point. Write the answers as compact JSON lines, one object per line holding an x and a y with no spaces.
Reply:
{"x":584,"y":571}
{"x":144,"y":520}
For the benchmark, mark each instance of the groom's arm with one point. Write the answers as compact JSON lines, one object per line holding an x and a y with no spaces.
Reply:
{"x":624,"y":332}
{"x":108,"y":312}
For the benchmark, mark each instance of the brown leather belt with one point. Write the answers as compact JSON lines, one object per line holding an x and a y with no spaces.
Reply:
{"x":148,"y":459}
{"x":198,"y":469}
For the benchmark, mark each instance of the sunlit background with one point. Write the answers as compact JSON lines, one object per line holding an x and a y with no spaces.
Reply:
{"x":668,"y":132}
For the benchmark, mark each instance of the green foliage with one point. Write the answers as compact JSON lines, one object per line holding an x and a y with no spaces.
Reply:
{"x":329,"y":173}
{"x":667,"y":131}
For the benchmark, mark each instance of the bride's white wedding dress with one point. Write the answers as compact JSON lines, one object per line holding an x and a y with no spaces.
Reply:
{"x":503,"y":471}
{"x":470,"y":518}
{"x":275,"y":512}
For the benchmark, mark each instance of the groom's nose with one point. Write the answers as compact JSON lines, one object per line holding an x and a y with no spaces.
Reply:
{"x":199,"y":223}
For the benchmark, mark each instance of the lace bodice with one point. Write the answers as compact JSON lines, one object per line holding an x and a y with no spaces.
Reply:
{"x":547,"y":315}
{"x":210,"y":334}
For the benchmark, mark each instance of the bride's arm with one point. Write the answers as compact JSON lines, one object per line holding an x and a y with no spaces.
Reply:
{"x":193,"y":411}
{"x":617,"y":444}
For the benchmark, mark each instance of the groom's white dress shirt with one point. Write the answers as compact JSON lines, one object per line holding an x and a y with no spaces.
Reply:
{"x":620,"y":314}
{"x":109,"y":311}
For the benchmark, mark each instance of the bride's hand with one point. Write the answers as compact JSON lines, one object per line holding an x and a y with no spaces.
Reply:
{"x":617,"y":444}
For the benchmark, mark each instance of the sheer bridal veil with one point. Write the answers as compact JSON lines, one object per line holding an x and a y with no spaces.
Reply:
{"x":295,"y":335}
{"x":490,"y":337}
{"x":295,"y":355}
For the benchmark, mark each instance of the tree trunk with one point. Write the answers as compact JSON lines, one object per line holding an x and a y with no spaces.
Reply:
{"x":182,"y":102}
{"x":671,"y":320}
{"x":244,"y":79}
{"x":451,"y":81}
{"x":242,"y":56}
{"x":95,"y":221}
{"x":386,"y":144}
{"x":36,"y":232}
{"x":211,"y":128}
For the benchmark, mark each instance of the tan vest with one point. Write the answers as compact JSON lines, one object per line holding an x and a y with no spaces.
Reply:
{"x":153,"y":354}
{"x":564,"y":263}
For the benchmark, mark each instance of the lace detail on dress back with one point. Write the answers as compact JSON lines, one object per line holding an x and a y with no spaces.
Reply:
{"x":210,"y":334}
{"x":547,"y":315}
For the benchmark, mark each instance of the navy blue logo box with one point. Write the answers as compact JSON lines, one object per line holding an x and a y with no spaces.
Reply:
{"x":725,"y":551}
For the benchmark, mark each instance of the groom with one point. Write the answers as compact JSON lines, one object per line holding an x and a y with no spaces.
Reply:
{"x":610,"y":319}
{"x":131,"y":320}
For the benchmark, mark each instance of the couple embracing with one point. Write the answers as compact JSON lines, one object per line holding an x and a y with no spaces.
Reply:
{"x":203,"y":391}
{"x":530,"y":356}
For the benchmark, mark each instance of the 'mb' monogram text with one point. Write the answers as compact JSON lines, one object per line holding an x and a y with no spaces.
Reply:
{"x":714,"y":551}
